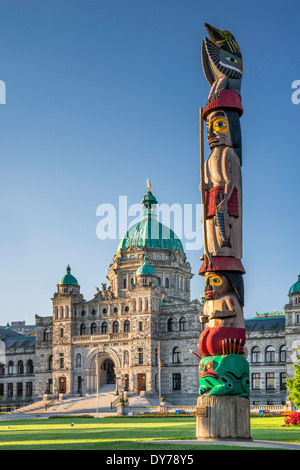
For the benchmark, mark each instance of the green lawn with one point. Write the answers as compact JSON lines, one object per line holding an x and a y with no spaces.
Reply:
{"x":122,"y":433}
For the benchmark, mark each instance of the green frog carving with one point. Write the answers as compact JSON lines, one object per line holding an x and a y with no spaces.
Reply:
{"x":224,"y":375}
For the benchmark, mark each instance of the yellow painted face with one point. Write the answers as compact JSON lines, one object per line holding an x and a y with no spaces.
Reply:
{"x":218,"y":131}
{"x":214,"y":279}
{"x":218,"y":124}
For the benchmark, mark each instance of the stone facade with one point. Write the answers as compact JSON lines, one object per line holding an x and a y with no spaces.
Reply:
{"x":266,"y":346}
{"x":17,"y":366}
{"x":122,"y":329}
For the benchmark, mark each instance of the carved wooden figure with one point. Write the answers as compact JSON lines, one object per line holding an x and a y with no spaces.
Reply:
{"x":222,"y":61}
{"x":223,"y":409}
{"x":223,"y":314}
{"x":223,"y":186}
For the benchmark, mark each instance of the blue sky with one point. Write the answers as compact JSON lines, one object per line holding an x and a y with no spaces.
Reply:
{"x":100,"y":96}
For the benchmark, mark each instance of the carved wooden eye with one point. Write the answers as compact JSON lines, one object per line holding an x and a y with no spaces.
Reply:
{"x":232,"y":60}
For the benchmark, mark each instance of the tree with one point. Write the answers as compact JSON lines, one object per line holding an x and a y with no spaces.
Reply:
{"x":293,"y":385}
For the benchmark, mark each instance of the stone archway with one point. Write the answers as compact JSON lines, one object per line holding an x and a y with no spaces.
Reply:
{"x":101,"y":365}
{"x":107,"y":372}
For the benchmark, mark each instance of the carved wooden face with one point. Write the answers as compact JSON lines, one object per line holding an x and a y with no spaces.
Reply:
{"x":216,"y":284}
{"x":218,"y":132}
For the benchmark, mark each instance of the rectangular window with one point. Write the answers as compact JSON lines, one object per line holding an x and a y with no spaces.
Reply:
{"x":61,"y":361}
{"x":282,"y":381}
{"x":29,"y":389}
{"x":19,"y":389}
{"x":176,"y":381}
{"x":156,"y":356}
{"x":256,"y":381}
{"x":61,"y":332}
{"x":10,"y":389}
{"x":270,"y":381}
{"x":140,"y":326}
{"x":141,"y":356}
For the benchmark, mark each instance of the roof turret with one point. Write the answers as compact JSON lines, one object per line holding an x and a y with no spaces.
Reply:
{"x":68,"y":278}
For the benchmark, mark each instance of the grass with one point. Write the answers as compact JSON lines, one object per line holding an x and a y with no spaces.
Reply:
{"x":123,"y":433}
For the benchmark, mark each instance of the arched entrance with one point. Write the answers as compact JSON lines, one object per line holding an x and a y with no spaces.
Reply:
{"x":107,"y":372}
{"x":101,"y":369}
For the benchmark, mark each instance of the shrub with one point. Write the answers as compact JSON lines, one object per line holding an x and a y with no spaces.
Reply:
{"x":293,"y":419}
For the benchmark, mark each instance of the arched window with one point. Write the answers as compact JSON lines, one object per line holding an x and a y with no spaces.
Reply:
{"x":82,"y":329}
{"x":116,"y":310}
{"x":61,"y":312}
{"x":104,"y":310}
{"x":50,"y":362}
{"x":20,"y":367}
{"x":170,"y":325}
{"x":104,"y":327}
{"x":255,"y":354}
{"x":78,"y":361}
{"x":127,"y":326}
{"x":124,"y":283}
{"x":182,"y":324}
{"x":176,"y":356}
{"x":56,"y":313}
{"x":94,"y":312}
{"x":67,"y":311}
{"x":282,"y":354}
{"x":82,"y":313}
{"x":30,"y":367}
{"x":126,"y":308}
{"x":270,"y":354}
{"x":167,"y":283}
{"x":115,"y":327}
{"x":47,"y":334}
{"x":93,"y":328}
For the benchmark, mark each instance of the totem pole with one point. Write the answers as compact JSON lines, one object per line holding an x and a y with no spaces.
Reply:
{"x":223,"y":409}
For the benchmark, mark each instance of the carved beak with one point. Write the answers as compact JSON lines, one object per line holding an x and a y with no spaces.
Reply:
{"x":215,"y":35}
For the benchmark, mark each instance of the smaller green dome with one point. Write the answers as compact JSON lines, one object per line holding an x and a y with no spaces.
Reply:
{"x":68,"y":278}
{"x":145,"y":268}
{"x":295,"y":289}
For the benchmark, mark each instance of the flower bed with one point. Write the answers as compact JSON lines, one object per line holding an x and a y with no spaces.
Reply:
{"x":293,"y":419}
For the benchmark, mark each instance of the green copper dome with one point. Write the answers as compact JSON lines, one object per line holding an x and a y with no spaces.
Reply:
{"x":295,"y":287}
{"x":145,"y":268}
{"x":68,"y":278}
{"x":150,"y":233}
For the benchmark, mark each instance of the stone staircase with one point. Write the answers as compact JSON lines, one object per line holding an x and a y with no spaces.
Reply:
{"x":71,"y":405}
{"x":105,"y":405}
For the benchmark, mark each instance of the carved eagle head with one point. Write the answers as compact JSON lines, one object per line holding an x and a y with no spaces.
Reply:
{"x":221,"y":55}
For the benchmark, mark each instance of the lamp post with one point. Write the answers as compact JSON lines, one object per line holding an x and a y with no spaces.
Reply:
{"x":97,"y":382}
